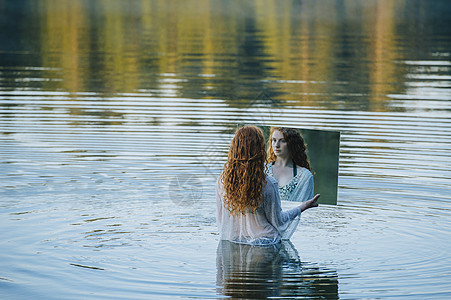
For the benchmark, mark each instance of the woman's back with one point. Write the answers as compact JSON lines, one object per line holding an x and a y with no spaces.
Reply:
{"x":267,"y":225}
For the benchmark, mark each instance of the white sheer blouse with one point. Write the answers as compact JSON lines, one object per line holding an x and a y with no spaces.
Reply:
{"x":299,"y":189}
{"x":268,"y":225}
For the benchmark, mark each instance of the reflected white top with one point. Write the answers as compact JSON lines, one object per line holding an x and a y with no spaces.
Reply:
{"x":268,"y":225}
{"x":299,"y":189}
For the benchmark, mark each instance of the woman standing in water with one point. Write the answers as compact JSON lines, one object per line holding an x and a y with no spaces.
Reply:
{"x":288,"y":164}
{"x":248,"y":203}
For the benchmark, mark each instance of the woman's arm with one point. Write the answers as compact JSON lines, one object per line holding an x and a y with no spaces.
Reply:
{"x":219,"y":204}
{"x":273,"y":208}
{"x":309,"y":203}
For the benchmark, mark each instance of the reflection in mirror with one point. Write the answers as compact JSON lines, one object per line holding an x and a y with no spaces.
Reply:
{"x":256,"y":272}
{"x":322,"y":150}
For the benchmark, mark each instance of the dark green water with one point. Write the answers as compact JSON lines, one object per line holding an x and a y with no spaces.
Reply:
{"x":115,"y":120}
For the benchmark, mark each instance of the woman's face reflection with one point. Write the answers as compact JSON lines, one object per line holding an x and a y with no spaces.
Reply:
{"x":256,"y":272}
{"x":279,"y":144}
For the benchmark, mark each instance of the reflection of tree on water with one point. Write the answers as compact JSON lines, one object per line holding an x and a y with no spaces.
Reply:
{"x":255,"y":272}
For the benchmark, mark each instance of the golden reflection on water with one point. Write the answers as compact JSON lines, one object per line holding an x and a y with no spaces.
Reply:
{"x":306,"y":51}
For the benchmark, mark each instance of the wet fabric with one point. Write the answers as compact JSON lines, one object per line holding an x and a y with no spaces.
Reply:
{"x":268,"y":225}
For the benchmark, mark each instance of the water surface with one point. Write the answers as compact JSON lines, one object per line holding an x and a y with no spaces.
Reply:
{"x":115,"y":119}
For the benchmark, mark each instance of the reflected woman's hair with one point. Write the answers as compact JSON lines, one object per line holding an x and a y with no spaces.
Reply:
{"x":256,"y":272}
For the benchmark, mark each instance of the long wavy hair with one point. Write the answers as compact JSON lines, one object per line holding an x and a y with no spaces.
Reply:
{"x":295,"y":144}
{"x":244,"y":172}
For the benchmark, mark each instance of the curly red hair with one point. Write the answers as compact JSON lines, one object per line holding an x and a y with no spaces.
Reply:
{"x":244,"y":172}
{"x":296,"y":146}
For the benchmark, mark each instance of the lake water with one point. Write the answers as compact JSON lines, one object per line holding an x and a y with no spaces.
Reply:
{"x":115,"y":120}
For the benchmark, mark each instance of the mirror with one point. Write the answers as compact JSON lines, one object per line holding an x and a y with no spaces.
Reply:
{"x":323,"y":148}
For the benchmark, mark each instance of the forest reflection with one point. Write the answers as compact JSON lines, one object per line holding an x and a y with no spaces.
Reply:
{"x":340,"y":55}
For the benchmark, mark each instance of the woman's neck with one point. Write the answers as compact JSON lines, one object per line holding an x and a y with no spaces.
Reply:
{"x":284,"y":161}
